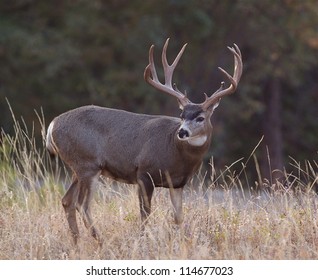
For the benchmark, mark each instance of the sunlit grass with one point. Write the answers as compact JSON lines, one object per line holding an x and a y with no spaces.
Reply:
{"x":225,"y":217}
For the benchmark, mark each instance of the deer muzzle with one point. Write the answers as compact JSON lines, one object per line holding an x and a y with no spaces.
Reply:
{"x":183,"y":133}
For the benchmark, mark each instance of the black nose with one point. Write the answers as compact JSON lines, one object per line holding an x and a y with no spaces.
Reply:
{"x":183,"y":133}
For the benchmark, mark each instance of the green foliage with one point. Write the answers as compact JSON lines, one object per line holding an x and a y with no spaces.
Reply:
{"x":58,"y":55}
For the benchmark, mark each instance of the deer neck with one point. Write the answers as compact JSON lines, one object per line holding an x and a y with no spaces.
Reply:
{"x":198,"y":141}
{"x":195,"y":147}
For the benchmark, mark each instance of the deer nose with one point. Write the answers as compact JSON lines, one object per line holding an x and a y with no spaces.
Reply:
{"x":183,"y":133}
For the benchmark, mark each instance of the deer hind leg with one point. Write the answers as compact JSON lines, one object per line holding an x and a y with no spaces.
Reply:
{"x":176,"y":199}
{"x":145,"y":191}
{"x":83,"y":202}
{"x":69,"y":203}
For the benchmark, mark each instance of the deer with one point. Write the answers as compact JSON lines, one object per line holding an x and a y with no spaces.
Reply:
{"x":146,"y":150}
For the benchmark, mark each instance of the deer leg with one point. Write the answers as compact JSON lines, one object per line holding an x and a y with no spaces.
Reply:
{"x":145,"y":192}
{"x":176,"y":199}
{"x":69,"y":204}
{"x":83,"y":202}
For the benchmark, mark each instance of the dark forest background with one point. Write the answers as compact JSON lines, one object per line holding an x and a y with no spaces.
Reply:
{"x":57,"y":55}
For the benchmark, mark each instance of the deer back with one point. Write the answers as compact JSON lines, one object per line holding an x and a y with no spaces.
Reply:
{"x":123,"y":145}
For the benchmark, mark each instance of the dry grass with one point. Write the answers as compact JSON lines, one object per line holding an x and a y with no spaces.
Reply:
{"x":221,"y":220}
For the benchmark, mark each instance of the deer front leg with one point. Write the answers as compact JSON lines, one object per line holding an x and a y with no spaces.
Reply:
{"x":145,"y":191}
{"x":176,"y":199}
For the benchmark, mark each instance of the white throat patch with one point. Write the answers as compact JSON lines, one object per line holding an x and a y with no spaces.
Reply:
{"x":197,"y":141}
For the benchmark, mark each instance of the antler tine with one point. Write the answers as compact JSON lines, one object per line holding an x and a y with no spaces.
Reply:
{"x":238,"y":58}
{"x":237,"y":49}
{"x":151,"y":76}
{"x":169,"y":69}
{"x":152,"y":64}
{"x":234,"y":80}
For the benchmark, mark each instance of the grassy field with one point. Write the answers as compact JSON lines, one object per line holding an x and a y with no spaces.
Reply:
{"x":223,"y":220}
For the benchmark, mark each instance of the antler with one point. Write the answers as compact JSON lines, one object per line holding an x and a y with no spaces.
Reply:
{"x":238,"y":69}
{"x":151,"y":76}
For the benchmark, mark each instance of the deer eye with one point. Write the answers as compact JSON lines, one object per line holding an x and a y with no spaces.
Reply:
{"x":199,"y":119}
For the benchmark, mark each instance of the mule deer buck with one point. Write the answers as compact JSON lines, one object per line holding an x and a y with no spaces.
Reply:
{"x":151,"y":151}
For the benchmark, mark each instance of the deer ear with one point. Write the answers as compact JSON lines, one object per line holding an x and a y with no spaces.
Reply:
{"x":212,"y":108}
{"x":181,"y":107}
{"x":216,"y":105}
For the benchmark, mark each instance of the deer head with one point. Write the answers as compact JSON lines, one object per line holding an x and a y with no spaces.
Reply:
{"x":195,"y":117}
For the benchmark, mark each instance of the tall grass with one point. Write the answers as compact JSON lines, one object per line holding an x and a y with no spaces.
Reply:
{"x":224,"y":217}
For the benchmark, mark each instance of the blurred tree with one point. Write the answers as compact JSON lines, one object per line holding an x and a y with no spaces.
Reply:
{"x":279,"y":38}
{"x":62,"y":54}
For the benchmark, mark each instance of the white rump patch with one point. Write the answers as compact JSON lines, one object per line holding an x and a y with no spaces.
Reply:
{"x":50,"y":145}
{"x":197,"y":141}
